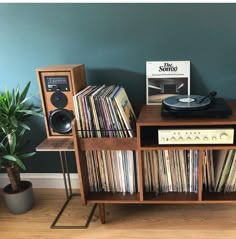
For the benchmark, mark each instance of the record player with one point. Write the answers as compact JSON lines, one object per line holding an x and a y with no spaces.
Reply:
{"x":183,"y":106}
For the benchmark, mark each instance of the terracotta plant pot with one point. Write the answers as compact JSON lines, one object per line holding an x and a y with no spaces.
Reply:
{"x":19,"y":202}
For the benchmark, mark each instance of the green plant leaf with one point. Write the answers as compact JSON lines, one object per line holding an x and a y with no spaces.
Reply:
{"x":12,"y":142}
{"x":27,"y":155}
{"x":30,"y":112}
{"x":15,"y":159}
{"x":15,"y":111}
{"x":24,"y":126}
{"x":25,"y":92}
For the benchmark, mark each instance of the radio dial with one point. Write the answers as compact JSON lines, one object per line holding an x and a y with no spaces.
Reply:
{"x":223,"y":136}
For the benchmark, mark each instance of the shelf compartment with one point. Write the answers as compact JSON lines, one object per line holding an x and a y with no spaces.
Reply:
{"x":109,"y":197}
{"x":219,"y":196}
{"x":171,"y":197}
{"x":149,"y":137}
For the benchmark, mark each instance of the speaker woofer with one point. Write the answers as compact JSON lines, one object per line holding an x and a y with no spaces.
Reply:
{"x":60,"y":120}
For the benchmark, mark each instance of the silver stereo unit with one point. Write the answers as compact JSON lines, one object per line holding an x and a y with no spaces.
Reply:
{"x":196,"y":136}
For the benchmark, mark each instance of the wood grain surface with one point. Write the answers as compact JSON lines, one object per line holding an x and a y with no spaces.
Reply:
{"x":122,"y":221}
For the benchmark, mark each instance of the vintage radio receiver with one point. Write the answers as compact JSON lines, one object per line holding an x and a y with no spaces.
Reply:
{"x":196,"y":136}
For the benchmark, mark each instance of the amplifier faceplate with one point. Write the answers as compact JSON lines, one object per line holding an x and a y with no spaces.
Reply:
{"x":196,"y":136}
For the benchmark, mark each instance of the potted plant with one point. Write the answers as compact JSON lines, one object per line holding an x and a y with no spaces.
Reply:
{"x":15,"y":112}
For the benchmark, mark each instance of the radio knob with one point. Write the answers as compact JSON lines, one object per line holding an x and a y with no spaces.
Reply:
{"x":189,"y":138}
{"x":197,"y":138}
{"x":223,"y":136}
{"x":205,"y":138}
{"x":172,"y":139}
{"x":214,"y":138}
{"x":180,"y":138}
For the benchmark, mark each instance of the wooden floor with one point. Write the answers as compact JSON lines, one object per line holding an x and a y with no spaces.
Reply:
{"x":123,"y":221}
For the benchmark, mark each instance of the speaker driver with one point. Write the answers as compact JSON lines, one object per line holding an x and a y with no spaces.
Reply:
{"x":59,"y":99}
{"x":60,"y":120}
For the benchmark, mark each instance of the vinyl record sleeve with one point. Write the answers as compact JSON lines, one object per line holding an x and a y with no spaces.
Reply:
{"x":166,"y":78}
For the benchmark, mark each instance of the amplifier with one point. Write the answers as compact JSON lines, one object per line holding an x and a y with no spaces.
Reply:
{"x":196,"y":136}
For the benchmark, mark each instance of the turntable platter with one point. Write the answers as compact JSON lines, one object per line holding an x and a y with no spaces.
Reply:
{"x":186,"y":102}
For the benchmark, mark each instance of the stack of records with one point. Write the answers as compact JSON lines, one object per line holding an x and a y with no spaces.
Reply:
{"x":104,"y":111}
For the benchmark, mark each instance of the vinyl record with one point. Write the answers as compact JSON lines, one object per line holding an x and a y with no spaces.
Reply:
{"x":186,"y":102}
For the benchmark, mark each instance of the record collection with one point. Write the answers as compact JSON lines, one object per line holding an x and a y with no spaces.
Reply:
{"x":112,"y":171}
{"x":170,"y":171}
{"x":219,"y":171}
{"x":104,"y":111}
{"x":177,"y":171}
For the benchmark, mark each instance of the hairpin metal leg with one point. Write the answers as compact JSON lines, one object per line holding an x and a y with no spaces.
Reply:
{"x":67,"y":173}
{"x":69,"y":195}
{"x":54,"y":226}
{"x":64,"y":173}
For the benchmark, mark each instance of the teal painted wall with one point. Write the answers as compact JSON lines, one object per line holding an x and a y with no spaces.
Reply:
{"x":114,"y":41}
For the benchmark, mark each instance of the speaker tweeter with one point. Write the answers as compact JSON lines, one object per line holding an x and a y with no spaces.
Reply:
{"x":59,"y":100}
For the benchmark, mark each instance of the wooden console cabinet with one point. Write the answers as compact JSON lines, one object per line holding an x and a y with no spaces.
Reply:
{"x":148,"y":122}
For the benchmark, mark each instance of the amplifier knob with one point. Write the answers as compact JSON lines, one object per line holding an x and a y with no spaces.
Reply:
{"x":180,"y":138}
{"x":214,"y":138}
{"x":172,"y":139}
{"x":197,"y":138}
{"x":223,"y":136}
{"x":189,"y":138}
{"x":205,"y":138}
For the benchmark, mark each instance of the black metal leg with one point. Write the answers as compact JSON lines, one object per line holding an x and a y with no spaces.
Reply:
{"x":64,"y":173}
{"x":69,"y":195}
{"x":68,"y":173}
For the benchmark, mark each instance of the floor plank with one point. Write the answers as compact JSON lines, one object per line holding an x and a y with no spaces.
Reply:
{"x":123,"y":221}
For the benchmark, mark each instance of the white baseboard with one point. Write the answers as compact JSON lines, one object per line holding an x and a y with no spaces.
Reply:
{"x":43,"y":180}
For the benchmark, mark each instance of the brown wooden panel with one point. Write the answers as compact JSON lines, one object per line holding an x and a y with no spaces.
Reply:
{"x":171,"y":196}
{"x":61,"y":67}
{"x":80,"y":164}
{"x":109,"y":197}
{"x":56,"y":144}
{"x":219,"y":196}
{"x":108,"y":144}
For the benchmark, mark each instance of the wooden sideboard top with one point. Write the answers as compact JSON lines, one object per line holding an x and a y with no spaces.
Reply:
{"x":151,"y":115}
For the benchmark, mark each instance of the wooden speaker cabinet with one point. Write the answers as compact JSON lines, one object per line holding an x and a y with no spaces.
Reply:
{"x":58,"y":84}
